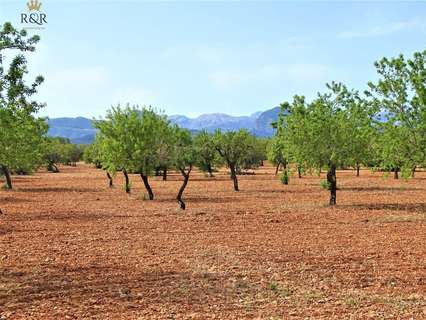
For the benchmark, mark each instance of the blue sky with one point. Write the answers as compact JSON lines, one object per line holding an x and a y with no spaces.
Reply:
{"x":203,"y":57}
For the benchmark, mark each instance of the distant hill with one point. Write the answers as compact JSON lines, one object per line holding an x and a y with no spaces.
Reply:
{"x":263,"y":126}
{"x":213,"y":121}
{"x":80,"y":130}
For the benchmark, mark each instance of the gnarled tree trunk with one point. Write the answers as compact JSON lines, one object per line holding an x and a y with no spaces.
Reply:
{"x":182,"y":187}
{"x":110,"y":180}
{"x":234,"y":176}
{"x":6,"y":173}
{"x":51,"y":167}
{"x":413,"y":171}
{"x":331,"y":179}
{"x":127,"y":182}
{"x":147,"y":186}
{"x":299,"y":171}
{"x":277,"y":168}
{"x":395,"y":173}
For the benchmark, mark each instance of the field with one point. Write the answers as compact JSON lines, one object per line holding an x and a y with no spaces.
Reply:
{"x":70,"y":248}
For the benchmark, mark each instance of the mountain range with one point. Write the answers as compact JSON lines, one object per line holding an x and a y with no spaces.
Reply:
{"x":80,"y":130}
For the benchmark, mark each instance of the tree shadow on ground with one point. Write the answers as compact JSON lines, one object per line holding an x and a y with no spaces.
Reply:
{"x":195,"y":199}
{"x":4,"y":200}
{"x":59,"y":189}
{"x":378,"y":188}
{"x":68,"y":217}
{"x":411,"y":207}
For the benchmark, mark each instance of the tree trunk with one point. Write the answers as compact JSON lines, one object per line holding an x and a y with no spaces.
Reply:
{"x":395,"y":174}
{"x":127,"y":185}
{"x":51,"y":167}
{"x":261,"y":163}
{"x":299,"y":171}
{"x":147,"y":186}
{"x":277,"y":168}
{"x":357,"y":170}
{"x":164,"y":173}
{"x":210,"y":170}
{"x":234,"y":176}
{"x":6,"y":173}
{"x":331,"y":179}
{"x":182,"y":188}
{"x":110,"y":179}
{"x":413,"y":171}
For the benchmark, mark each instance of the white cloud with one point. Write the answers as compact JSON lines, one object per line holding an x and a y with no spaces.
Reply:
{"x":383,"y":30}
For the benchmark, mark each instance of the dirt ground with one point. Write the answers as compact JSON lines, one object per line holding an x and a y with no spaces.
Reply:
{"x":71,"y":248}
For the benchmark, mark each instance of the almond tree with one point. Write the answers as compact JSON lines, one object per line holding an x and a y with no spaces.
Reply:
{"x":321,"y":131}
{"x":207,"y":155}
{"x":21,"y":133}
{"x":115,"y":147}
{"x":184,"y":158}
{"x":130,"y":140}
{"x":233,"y":147}
{"x":400,"y":92}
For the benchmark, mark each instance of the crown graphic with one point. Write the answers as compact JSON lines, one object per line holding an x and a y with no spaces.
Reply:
{"x":33,"y":5}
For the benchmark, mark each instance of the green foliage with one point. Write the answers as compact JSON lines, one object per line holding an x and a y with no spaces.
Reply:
{"x":400,"y":93}
{"x":256,"y":153}
{"x":184,"y":154}
{"x":276,"y":151}
{"x":325,"y":185}
{"x":58,"y":150}
{"x":207,"y":156}
{"x":21,"y":133}
{"x":285,"y":176}
{"x":234,"y":147}
{"x":92,"y":153}
{"x":131,"y":138}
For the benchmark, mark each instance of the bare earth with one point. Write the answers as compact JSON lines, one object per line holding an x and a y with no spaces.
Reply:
{"x":71,"y":248}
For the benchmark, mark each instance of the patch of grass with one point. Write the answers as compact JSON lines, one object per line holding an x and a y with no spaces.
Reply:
{"x":5,"y":187}
{"x":311,"y":296}
{"x":325,"y":185}
{"x":352,"y":301}
{"x":401,"y":218}
{"x":279,"y":290}
{"x":144,"y":196}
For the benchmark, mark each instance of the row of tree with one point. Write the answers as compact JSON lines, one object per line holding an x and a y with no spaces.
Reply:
{"x":383,"y":128}
{"x":142,"y":141}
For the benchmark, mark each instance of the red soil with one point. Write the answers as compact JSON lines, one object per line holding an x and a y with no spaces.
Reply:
{"x":71,"y":248}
